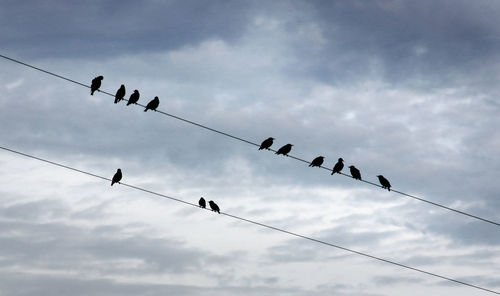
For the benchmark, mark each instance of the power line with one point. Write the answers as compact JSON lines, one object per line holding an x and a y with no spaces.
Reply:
{"x":255,"y":144}
{"x":256,"y":223}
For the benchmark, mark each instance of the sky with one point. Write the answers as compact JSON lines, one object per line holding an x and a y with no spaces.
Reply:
{"x":405,"y":89}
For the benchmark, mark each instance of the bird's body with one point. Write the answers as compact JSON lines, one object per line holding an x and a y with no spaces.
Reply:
{"x":285,"y":149}
{"x":96,"y":83}
{"x":120,"y":94}
{"x":117,"y":177}
{"x":153,"y":104}
{"x":202,"y":203}
{"x":338,"y":166}
{"x":317,"y":162}
{"x":134,"y":97}
{"x":266,"y":143}
{"x":384,"y":182}
{"x":355,"y":172}
{"x":214,"y":206}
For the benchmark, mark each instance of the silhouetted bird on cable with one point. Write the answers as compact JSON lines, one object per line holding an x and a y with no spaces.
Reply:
{"x":214,"y":207}
{"x":120,"y":93}
{"x":338,"y":166}
{"x":153,"y":104}
{"x":134,"y":97}
{"x":117,"y":177}
{"x":266,"y":143}
{"x":285,"y":149}
{"x":96,"y":83}
{"x":355,"y":172}
{"x":317,"y":162}
{"x":384,"y":182}
{"x":202,"y":203}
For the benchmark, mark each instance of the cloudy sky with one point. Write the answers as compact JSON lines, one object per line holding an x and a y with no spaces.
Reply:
{"x":407,"y":89}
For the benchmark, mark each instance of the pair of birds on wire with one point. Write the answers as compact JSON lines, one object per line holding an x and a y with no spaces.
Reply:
{"x":318,"y":161}
{"x":120,"y":94}
{"x":202,"y":203}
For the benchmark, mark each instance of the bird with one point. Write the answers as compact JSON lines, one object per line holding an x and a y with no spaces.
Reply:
{"x":153,"y":104}
{"x":266,"y":143}
{"x":96,"y":83}
{"x":384,"y":182}
{"x":338,"y":166}
{"x":117,"y":177}
{"x":317,"y":162}
{"x":355,"y":172}
{"x":202,"y":202}
{"x":284,"y":150}
{"x":214,"y":206}
{"x":120,"y":93}
{"x":134,"y":97}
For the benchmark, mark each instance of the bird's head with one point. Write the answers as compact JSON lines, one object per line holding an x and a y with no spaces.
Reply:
{"x":351,"y":167}
{"x":136,"y":91}
{"x":380,"y":176}
{"x":119,"y":170}
{"x":340,"y":159}
{"x":322,"y":157}
{"x":100,"y":77}
{"x":271,"y":138}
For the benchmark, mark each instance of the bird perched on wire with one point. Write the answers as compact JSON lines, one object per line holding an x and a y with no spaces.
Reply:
{"x":202,"y":202}
{"x":317,"y":162}
{"x":214,"y":206}
{"x":355,"y":172}
{"x":117,"y":177}
{"x":134,"y":97}
{"x":153,"y":104}
{"x":284,"y":150}
{"x":266,"y":143}
{"x":120,"y":93}
{"x":384,"y":182}
{"x":96,"y":83}
{"x":338,"y":166}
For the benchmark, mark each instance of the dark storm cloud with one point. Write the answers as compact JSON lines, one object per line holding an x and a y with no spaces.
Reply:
{"x":103,"y":29}
{"x":426,"y":40}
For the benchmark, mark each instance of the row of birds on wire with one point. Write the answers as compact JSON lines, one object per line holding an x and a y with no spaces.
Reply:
{"x":117,"y":177}
{"x":266,"y":144}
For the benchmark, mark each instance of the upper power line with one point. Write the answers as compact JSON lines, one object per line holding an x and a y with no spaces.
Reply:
{"x":258,"y":145}
{"x":255,"y":222}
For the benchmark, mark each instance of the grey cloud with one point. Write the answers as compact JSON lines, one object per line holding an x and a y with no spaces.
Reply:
{"x":61,"y":28}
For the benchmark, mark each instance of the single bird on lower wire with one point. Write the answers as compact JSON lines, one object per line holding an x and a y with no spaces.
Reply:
{"x":117,"y":177}
{"x":384,"y":182}
{"x":355,"y":172}
{"x":214,"y":206}
{"x":96,"y":83}
{"x":202,"y":203}
{"x":338,"y":166}
{"x":153,"y":104}
{"x":317,"y":162}
{"x":266,"y":143}
{"x":284,"y":150}
{"x":134,"y":97}
{"x":120,"y":94}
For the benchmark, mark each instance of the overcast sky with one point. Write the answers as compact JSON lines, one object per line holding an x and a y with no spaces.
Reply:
{"x":407,"y":89}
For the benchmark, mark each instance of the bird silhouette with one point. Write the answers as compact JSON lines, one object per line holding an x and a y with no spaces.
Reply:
{"x":134,"y":97}
{"x":284,"y":150}
{"x":153,"y":104}
{"x":266,"y":143}
{"x":202,"y":202}
{"x":317,"y":162}
{"x":384,"y":182}
{"x":96,"y":83}
{"x":338,"y":166}
{"x":214,"y":206}
{"x":117,"y":177}
{"x":120,"y":93}
{"x":355,"y":172}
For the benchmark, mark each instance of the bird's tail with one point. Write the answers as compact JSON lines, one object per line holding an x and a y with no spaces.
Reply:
{"x":145,"y":109}
{"x":128,"y":103}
